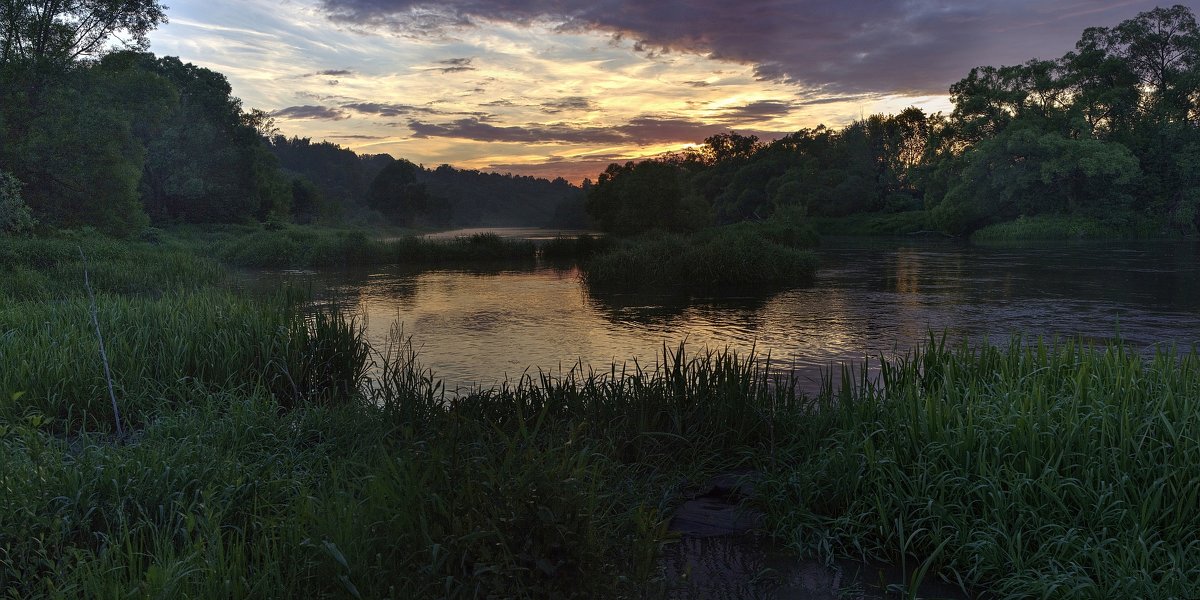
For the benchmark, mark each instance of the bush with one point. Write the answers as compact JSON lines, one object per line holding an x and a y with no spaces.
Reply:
{"x":15,"y":216}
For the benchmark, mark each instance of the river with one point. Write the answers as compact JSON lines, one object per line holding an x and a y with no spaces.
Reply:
{"x":479,"y":327}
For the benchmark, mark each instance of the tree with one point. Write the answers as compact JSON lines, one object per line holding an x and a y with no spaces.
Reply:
{"x":396,"y":193}
{"x":56,"y":33}
{"x":651,"y":194}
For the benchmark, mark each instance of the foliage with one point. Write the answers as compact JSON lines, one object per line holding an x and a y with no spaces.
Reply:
{"x":14,"y":213}
{"x":55,"y":33}
{"x":767,"y":254}
{"x":1108,"y":131}
{"x":443,"y":196}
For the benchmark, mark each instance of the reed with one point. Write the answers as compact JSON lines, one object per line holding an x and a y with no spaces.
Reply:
{"x":1034,"y":469}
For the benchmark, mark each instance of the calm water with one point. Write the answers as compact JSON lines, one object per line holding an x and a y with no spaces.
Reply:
{"x":870,"y":297}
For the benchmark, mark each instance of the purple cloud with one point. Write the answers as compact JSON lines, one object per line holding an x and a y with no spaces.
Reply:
{"x":643,"y":131}
{"x":842,"y":46}
{"x":311,"y":112}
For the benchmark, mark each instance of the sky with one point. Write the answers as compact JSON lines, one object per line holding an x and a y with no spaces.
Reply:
{"x":565,"y":87}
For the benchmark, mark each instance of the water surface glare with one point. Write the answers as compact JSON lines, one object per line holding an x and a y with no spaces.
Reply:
{"x":483,"y":326}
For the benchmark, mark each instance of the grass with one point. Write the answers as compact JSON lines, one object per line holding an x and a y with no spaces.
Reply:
{"x":746,"y":254}
{"x":872,"y":224}
{"x":1061,"y":227}
{"x":1029,"y":470}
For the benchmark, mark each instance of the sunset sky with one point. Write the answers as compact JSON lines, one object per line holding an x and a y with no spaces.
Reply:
{"x":563,"y":87}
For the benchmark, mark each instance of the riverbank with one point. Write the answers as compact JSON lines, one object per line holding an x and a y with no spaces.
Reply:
{"x":263,"y":457}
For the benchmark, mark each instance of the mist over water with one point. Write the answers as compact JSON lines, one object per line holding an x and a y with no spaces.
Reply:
{"x":485,"y":326}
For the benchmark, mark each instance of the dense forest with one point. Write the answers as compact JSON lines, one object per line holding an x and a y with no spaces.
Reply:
{"x":1109,"y":132}
{"x":342,"y":185}
{"x":118,"y":140}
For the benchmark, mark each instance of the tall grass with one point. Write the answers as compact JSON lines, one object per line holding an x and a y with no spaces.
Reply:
{"x":746,"y":254}
{"x":306,"y":247}
{"x":1029,"y":470}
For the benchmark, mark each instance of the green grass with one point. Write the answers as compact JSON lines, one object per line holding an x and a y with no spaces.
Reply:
{"x":745,"y":254}
{"x":311,"y":247}
{"x":1047,"y":228}
{"x":1031,"y":470}
{"x":872,"y":224}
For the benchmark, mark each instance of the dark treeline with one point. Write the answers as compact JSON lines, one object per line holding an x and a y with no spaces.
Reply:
{"x":118,"y":140}
{"x":1109,"y":132}
{"x":347,"y":185}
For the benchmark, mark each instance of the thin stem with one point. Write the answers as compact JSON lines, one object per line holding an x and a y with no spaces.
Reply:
{"x":103,"y":354}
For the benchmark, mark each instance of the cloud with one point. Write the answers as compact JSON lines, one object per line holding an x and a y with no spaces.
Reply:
{"x":454,"y":65}
{"x":477,"y":130}
{"x":385,"y":109}
{"x":567,"y":103}
{"x":840,"y":46}
{"x":644,"y":131}
{"x":311,"y":112}
{"x":335,"y":72}
{"x":756,"y":111}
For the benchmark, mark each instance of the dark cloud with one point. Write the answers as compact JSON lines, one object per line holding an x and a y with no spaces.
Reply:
{"x":757,"y":111}
{"x":568,"y":103}
{"x":311,"y":112}
{"x":335,"y":72}
{"x":477,"y":130}
{"x":390,"y":110}
{"x":643,"y":131}
{"x":841,"y":46}
{"x":454,"y":65}
{"x":386,"y":110}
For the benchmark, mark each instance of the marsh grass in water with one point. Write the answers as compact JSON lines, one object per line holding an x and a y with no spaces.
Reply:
{"x":1076,"y":227}
{"x":758,"y":254}
{"x":306,"y":247}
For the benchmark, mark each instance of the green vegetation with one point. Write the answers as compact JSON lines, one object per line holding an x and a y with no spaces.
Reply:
{"x":1106,"y":134}
{"x":771,"y":253}
{"x":1064,"y":228}
{"x":1029,"y":470}
{"x":304,"y":247}
{"x":901,"y":223}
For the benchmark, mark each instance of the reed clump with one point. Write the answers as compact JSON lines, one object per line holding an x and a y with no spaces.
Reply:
{"x":747,"y":254}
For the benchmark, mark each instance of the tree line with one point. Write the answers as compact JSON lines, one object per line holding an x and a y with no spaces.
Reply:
{"x":95,"y":131}
{"x":1110,"y":131}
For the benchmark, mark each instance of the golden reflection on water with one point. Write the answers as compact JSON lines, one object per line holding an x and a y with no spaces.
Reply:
{"x":483,"y":326}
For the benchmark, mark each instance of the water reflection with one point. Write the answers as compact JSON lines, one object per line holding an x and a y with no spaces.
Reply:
{"x":485,"y":324}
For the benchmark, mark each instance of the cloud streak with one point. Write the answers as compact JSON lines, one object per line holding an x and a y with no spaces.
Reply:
{"x":311,"y":112}
{"x":642,"y":131}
